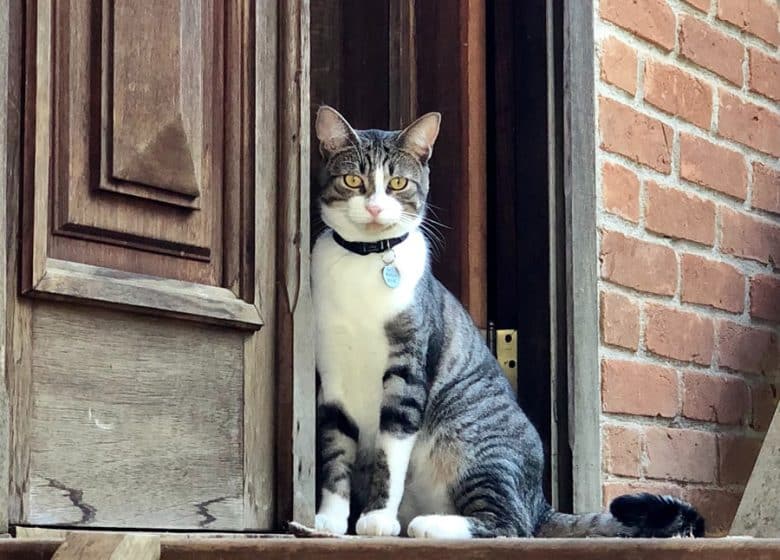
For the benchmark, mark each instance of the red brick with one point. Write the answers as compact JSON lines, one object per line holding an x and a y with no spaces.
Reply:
{"x":717,"y":506}
{"x":618,"y":65}
{"x":749,"y":237}
{"x":711,"y":398}
{"x":747,"y":349}
{"x":764,"y":74}
{"x":614,"y":489}
{"x":736,"y":457}
{"x":686,"y":455}
{"x":712,"y":166}
{"x":749,"y":124}
{"x":652,"y":20}
{"x":765,"y":297}
{"x":712,"y":283}
{"x":764,"y":399}
{"x":711,"y":49}
{"x":637,"y":388}
{"x":637,"y":264}
{"x":766,"y":188}
{"x":703,"y":5}
{"x":677,"y":92}
{"x":757,"y":17}
{"x":638,"y":137}
{"x":622,"y":450}
{"x":677,"y":334}
{"x":678,"y":214}
{"x":619,"y":321}
{"x":620,"y":189}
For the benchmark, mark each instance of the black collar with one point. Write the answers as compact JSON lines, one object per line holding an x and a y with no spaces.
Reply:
{"x":368,"y":247}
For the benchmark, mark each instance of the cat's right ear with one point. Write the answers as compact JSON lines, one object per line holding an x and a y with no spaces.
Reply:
{"x":333,"y":131}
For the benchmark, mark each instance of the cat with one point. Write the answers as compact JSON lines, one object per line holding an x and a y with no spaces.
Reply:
{"x":419,"y":432}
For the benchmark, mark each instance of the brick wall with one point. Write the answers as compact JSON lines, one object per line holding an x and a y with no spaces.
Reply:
{"x":689,"y":244}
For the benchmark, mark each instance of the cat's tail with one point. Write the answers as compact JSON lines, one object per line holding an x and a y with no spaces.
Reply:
{"x":632,"y":515}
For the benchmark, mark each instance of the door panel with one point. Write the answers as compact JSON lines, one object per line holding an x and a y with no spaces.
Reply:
{"x":120,"y":437}
{"x":128,"y":101}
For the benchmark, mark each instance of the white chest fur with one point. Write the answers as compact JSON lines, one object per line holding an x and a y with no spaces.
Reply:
{"x":352,"y":305}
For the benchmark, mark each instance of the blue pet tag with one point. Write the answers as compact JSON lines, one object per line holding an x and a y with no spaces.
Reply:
{"x":391,"y":276}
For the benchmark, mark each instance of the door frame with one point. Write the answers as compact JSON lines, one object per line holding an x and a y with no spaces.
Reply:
{"x":580,"y":259}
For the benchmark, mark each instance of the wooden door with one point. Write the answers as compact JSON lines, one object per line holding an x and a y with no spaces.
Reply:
{"x":143,"y":371}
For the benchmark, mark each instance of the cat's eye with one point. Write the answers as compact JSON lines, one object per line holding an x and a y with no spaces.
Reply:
{"x":398,"y":183}
{"x":353,"y":181}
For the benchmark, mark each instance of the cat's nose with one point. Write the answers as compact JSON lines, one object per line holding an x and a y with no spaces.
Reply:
{"x":374,"y":209}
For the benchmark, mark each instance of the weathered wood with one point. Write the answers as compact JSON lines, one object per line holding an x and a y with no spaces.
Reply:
{"x":391,"y":549}
{"x":47,"y":533}
{"x":260,"y":349}
{"x":108,"y":547}
{"x":17,"y":324}
{"x":403,"y":64}
{"x":295,"y":351}
{"x":135,"y":422}
{"x":150,"y":294}
{"x":10,"y":93}
{"x":579,"y":183}
{"x":758,"y":514}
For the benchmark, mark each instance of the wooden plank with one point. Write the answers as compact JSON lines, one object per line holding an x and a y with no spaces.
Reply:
{"x":135,"y":422}
{"x":260,"y":349}
{"x":391,"y":549}
{"x":579,"y":183}
{"x":108,"y":547}
{"x":17,"y":319}
{"x":10,"y":92}
{"x":149,"y":294}
{"x":49,"y":533}
{"x":758,"y":514}
{"x":295,"y":352}
{"x":402,"y":65}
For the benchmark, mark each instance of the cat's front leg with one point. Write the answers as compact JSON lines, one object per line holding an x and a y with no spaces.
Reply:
{"x":338,"y":437}
{"x":403,"y":404}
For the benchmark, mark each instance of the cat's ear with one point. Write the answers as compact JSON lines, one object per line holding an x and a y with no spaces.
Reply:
{"x":418,"y":137}
{"x":333,"y":131}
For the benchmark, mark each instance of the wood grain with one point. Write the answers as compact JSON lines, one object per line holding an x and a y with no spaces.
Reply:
{"x":150,"y":294}
{"x":579,"y":183}
{"x":17,"y":317}
{"x":260,"y":371}
{"x":10,"y":138}
{"x":134,"y":422}
{"x":108,"y":547}
{"x":295,"y":352}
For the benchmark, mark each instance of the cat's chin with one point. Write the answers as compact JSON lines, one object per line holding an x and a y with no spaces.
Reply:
{"x":369,"y":232}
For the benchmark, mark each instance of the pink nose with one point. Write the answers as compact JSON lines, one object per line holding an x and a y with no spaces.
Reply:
{"x":374,"y":209}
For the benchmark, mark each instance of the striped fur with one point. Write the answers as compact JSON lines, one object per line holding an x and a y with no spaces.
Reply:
{"x":419,"y":430}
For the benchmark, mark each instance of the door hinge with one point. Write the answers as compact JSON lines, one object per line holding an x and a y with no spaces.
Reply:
{"x":503,"y":345}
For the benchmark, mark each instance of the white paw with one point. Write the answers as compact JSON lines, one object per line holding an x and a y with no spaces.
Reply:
{"x":330,"y":523}
{"x":439,"y":527}
{"x":378,"y":523}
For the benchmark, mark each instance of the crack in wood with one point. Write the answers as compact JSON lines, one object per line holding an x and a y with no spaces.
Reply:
{"x":76,"y":497}
{"x":203,"y":510}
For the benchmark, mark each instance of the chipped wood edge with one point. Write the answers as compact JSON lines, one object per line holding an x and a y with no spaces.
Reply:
{"x":295,"y":447}
{"x":108,"y":546}
{"x":579,"y":183}
{"x":150,"y":294}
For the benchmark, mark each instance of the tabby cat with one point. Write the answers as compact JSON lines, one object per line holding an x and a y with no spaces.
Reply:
{"x":419,"y":431}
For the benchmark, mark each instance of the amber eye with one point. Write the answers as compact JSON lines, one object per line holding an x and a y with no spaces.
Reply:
{"x":398,"y":183}
{"x":353,"y":181}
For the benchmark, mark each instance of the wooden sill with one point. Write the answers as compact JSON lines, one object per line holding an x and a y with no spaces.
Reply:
{"x":380,"y":549}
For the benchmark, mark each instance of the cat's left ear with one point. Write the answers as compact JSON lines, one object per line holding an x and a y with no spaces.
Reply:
{"x":418,"y":137}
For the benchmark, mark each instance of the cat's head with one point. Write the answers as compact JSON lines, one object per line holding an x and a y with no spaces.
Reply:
{"x":374,"y":182}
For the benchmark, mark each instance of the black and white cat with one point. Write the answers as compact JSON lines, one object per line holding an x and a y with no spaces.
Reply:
{"x":419,"y":431}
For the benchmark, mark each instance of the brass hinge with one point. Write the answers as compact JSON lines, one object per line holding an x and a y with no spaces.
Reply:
{"x":503,"y":345}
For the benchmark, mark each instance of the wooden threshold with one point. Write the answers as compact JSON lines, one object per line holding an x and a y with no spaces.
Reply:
{"x":381,"y":549}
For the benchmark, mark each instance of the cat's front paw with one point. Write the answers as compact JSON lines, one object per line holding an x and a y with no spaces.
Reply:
{"x":378,"y":523}
{"x":330,"y":523}
{"x":439,"y":527}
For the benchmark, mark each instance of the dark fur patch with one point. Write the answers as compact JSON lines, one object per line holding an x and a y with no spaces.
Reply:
{"x":657,"y":516}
